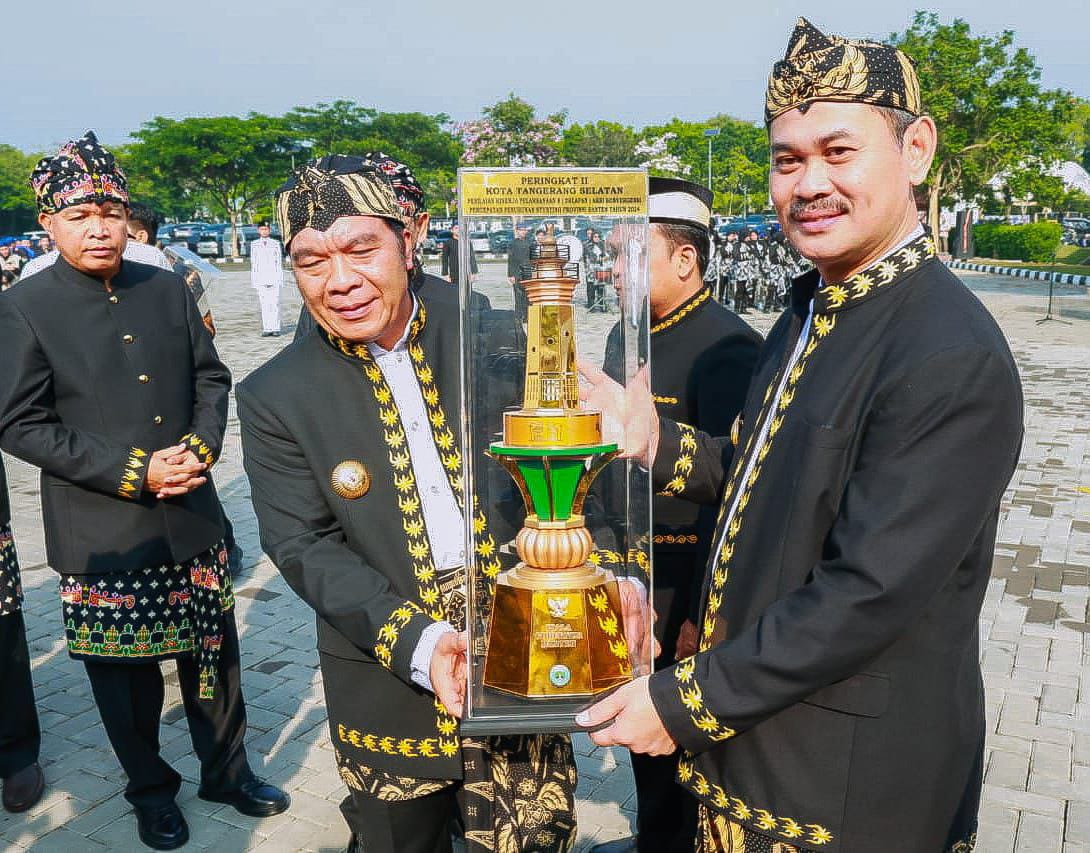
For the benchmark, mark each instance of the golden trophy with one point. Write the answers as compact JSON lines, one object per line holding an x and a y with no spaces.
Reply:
{"x":556,"y":629}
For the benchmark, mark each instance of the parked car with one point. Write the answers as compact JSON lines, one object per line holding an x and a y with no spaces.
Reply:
{"x":188,"y":233}
{"x":1077,"y":224}
{"x":211,"y":243}
{"x":500,"y":241}
{"x":438,"y":237}
{"x":478,"y":240}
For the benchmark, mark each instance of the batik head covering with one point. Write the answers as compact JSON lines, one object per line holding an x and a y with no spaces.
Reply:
{"x":818,"y":67}
{"x":81,"y":172}
{"x":322,"y":191}
{"x":407,"y":189}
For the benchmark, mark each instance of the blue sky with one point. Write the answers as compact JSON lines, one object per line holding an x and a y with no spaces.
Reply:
{"x":70,"y":66}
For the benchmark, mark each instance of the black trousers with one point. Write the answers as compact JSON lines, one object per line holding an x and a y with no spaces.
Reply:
{"x":412,"y":826}
{"x":20,"y":735}
{"x":129,"y":697}
{"x":665,"y":812}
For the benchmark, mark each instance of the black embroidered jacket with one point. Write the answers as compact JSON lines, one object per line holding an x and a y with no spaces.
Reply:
{"x":363,"y":564}
{"x":93,"y":383}
{"x":702,"y":356}
{"x":837,"y":702}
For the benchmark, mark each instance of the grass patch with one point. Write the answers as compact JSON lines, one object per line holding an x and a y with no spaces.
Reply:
{"x":1073,"y":269}
{"x":1073,"y":255}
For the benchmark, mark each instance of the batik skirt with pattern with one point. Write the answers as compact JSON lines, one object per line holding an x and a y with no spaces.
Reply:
{"x":152,"y":614}
{"x":11,"y":586}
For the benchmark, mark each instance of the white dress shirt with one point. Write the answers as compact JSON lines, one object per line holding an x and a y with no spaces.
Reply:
{"x":443,"y":519}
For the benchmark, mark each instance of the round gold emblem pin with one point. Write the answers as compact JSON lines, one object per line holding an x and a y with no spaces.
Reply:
{"x":350,"y":479}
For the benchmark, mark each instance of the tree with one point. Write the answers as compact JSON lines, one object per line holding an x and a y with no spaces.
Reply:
{"x":739,"y":157}
{"x":18,"y":211}
{"x":329,"y":128}
{"x":511,"y":134}
{"x":601,"y":144}
{"x":985,"y":95}
{"x":233,"y":162}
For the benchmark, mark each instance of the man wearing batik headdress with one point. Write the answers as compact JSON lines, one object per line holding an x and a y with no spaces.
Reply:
{"x":414,"y":212}
{"x":835,"y":702}
{"x":349,"y":440}
{"x":111,"y":385}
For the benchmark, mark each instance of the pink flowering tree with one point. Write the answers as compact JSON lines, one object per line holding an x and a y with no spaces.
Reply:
{"x":654,"y":155}
{"x":510,"y":134}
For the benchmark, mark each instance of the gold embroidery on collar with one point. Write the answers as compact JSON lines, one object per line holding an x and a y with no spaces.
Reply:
{"x":665,"y":400}
{"x":133,"y":474}
{"x":673,"y":319}
{"x":897,"y":265}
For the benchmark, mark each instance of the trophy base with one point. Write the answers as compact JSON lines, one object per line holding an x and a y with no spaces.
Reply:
{"x":556,"y":634}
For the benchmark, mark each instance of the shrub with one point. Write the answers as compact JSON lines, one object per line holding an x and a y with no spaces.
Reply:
{"x":1035,"y":242}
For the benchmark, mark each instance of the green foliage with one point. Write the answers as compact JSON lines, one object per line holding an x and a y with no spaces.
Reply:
{"x":601,"y":144}
{"x":17,"y":209}
{"x":985,"y":95}
{"x":740,"y":158}
{"x":231,"y":163}
{"x":1036,"y":242}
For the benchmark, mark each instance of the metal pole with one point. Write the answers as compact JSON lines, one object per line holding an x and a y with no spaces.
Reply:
{"x":711,"y":133}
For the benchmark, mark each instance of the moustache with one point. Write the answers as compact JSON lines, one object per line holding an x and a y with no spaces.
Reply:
{"x":824,"y":205}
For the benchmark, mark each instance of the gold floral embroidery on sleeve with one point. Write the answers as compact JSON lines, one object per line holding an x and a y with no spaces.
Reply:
{"x":199,"y":447}
{"x":390,"y":631}
{"x":132,"y":477}
{"x":683,"y":465}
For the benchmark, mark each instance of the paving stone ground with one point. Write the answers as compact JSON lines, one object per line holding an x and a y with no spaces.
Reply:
{"x":1035,"y":635}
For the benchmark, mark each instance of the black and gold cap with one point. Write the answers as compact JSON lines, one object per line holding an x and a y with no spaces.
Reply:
{"x":819,"y":67}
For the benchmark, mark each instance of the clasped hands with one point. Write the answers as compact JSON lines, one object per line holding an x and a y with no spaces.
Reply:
{"x":174,"y":471}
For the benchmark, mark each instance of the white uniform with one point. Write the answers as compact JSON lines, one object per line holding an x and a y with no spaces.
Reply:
{"x":266,"y":276}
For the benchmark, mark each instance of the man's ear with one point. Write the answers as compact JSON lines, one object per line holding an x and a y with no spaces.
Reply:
{"x":46,"y":221}
{"x":685,"y":261}
{"x":921,"y":140}
{"x":410,"y":257}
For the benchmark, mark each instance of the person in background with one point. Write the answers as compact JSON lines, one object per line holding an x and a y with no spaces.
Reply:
{"x":451,"y":256}
{"x":518,"y":261}
{"x":267,"y":277}
{"x":10,"y":260}
{"x":20,"y":733}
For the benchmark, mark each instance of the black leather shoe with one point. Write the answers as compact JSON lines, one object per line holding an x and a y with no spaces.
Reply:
{"x":162,"y":828}
{"x":23,"y":789}
{"x":255,"y":798}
